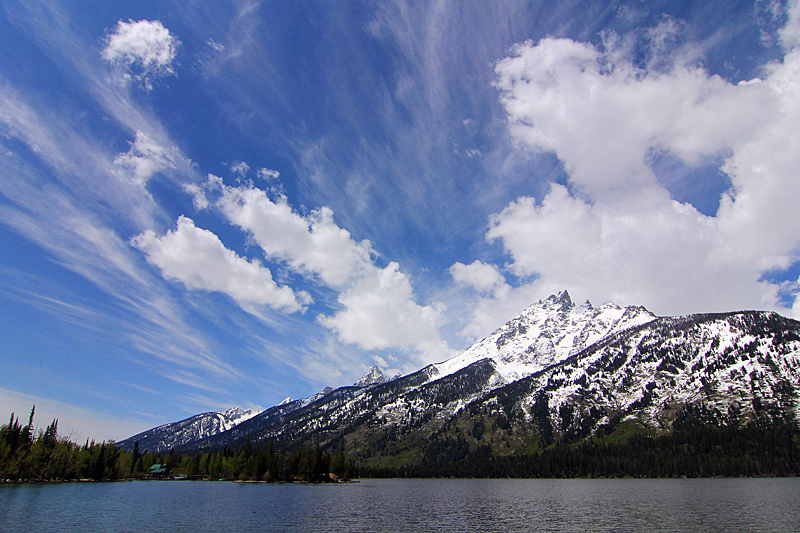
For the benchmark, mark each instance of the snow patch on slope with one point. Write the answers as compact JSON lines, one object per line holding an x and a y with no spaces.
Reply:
{"x":546,"y":333}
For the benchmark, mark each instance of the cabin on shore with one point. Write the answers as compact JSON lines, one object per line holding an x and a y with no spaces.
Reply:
{"x":159,"y":471}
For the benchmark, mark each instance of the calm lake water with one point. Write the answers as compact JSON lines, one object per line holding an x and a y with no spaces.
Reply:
{"x":705,"y":505}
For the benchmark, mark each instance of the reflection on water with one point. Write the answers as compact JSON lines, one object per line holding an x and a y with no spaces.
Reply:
{"x":408,"y":505}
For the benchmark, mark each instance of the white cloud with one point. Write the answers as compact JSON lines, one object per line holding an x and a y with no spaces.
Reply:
{"x":83,"y":165}
{"x":240,"y":168}
{"x":218,"y":47}
{"x":198,"y":194}
{"x":482,"y":277}
{"x":141,"y":50}
{"x":73,"y":219}
{"x":77,"y":200}
{"x":380,"y":312}
{"x":267,"y":174}
{"x":198,"y":258}
{"x":663,"y":254}
{"x":790,"y":33}
{"x":98,"y":255}
{"x":602,"y":116}
{"x":238,"y":40}
{"x":614,"y":234}
{"x":664,"y":34}
{"x":145,"y":158}
{"x":378,"y":305}
{"x":796,"y":305}
{"x":314,"y":245}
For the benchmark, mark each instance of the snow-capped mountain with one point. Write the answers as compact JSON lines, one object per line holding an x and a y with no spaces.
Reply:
{"x":547,"y":332}
{"x":741,"y":366}
{"x":373,"y":377}
{"x":558,"y":370}
{"x":197,"y":427}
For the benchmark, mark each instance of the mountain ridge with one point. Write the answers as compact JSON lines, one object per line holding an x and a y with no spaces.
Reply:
{"x":556,"y":371}
{"x":196,"y":427}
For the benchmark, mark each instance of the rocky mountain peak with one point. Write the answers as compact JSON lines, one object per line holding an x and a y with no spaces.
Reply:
{"x":373,"y":377}
{"x":545,"y":333}
{"x":564,"y":299}
{"x":560,"y":302}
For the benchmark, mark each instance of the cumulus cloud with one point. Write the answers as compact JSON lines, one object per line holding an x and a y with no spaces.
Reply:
{"x":267,"y":174}
{"x":313,"y":246}
{"x":482,"y":277}
{"x":377,"y":306}
{"x":664,"y":254}
{"x":240,"y":168}
{"x":790,"y":34}
{"x":379,"y":312}
{"x":198,"y":195}
{"x":614,"y":233}
{"x":197,"y":258}
{"x":601,"y":115}
{"x":145,"y":158}
{"x":141,"y":50}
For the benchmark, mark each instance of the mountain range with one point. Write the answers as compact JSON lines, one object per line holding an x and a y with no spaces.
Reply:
{"x":558,"y":371}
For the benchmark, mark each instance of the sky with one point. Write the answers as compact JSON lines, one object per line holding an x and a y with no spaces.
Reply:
{"x":216,"y":204}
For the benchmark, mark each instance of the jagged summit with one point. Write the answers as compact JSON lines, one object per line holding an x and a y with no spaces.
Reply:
{"x":373,"y":377}
{"x":545,"y":333}
{"x":562,"y":300}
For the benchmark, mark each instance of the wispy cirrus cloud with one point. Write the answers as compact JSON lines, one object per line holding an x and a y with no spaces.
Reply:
{"x":397,"y":170}
{"x":68,"y":192}
{"x":145,"y":158}
{"x":142,"y":311}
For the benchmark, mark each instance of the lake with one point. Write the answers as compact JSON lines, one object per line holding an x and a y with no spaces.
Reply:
{"x":706,"y":505}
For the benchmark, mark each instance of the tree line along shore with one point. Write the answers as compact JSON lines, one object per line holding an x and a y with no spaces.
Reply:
{"x":30,"y":455}
{"x":697,"y":446}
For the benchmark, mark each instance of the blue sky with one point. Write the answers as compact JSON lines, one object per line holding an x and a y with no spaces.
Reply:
{"x":209,"y":204}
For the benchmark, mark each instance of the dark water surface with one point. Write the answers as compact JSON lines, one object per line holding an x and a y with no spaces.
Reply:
{"x":703,"y":505}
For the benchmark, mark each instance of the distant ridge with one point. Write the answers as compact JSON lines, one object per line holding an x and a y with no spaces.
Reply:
{"x":191,"y":429}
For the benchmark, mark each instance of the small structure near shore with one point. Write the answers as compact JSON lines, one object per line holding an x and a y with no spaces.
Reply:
{"x":159,"y":471}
